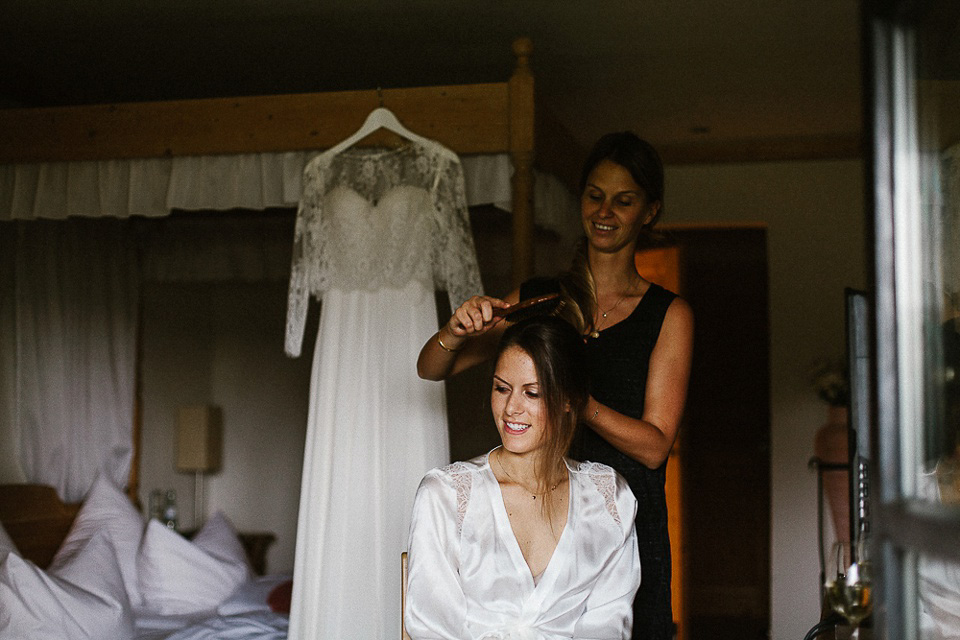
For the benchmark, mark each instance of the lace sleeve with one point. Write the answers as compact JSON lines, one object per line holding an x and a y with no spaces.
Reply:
{"x":605,"y":480}
{"x":462,"y":478}
{"x":454,"y":257}
{"x":305,"y":248}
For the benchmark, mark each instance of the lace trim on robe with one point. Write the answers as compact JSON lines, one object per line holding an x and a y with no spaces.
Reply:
{"x":462,"y":477}
{"x":606,"y":482}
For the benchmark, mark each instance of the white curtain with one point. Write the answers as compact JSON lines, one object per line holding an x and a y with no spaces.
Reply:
{"x":69,"y":292}
{"x":248,"y":247}
{"x":74,"y":325}
{"x":10,"y":470}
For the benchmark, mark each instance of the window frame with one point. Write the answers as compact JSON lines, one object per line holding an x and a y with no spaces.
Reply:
{"x":903,"y":527}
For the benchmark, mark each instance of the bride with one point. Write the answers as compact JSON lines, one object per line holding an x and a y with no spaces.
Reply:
{"x":524,"y":543}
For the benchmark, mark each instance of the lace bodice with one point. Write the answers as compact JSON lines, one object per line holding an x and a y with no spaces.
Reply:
{"x":604,"y":479}
{"x":370,"y":219}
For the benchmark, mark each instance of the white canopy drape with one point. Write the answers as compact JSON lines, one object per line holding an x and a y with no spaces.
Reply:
{"x":76,"y":288}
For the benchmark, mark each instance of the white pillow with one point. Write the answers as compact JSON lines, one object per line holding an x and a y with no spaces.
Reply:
{"x":219,"y":538}
{"x":6,"y":544}
{"x":178,"y":577}
{"x":106,"y":508}
{"x":85,"y":600}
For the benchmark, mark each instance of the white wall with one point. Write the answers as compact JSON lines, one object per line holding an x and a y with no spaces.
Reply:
{"x":815,"y":217}
{"x":222,"y":344}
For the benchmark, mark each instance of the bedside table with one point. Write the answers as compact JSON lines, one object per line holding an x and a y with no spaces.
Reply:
{"x":256,"y":545}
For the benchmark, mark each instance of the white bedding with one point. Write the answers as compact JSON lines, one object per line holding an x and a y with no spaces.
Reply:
{"x":247,"y":626}
{"x":118,"y":578}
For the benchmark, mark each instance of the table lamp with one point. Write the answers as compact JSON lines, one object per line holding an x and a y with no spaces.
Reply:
{"x":199,"y":447}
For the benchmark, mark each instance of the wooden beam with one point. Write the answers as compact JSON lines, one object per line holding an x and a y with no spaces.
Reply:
{"x":465,"y":118}
{"x":521,"y":154}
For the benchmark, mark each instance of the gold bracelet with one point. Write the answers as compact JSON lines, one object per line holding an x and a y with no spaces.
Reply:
{"x":443,"y":346}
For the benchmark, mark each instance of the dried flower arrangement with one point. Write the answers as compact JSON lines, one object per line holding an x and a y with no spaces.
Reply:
{"x":830,"y":380}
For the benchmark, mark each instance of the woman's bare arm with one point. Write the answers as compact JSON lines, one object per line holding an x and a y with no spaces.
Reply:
{"x":650,"y":439}
{"x":467,"y":339}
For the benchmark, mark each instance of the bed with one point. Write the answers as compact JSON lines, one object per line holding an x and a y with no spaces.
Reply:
{"x":100,"y":570}
{"x":515,"y":157}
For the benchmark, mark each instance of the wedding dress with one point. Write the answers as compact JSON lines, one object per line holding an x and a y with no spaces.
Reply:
{"x":377,"y":232}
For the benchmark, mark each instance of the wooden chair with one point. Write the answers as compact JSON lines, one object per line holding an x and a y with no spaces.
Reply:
{"x":403,"y":594}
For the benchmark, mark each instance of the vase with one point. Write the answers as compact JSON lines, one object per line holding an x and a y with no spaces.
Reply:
{"x":831,"y":446}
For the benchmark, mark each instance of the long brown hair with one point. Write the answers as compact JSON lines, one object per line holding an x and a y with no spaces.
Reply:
{"x":559,"y":358}
{"x":642,"y":161}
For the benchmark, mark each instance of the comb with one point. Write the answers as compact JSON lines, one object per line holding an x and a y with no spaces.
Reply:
{"x":537,"y":306}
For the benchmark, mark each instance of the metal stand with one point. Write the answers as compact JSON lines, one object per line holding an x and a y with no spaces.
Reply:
{"x":821,"y":467}
{"x":830,"y":623}
{"x":197,"y":499}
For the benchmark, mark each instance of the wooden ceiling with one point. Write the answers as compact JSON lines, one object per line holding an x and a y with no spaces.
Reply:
{"x":703,"y":79}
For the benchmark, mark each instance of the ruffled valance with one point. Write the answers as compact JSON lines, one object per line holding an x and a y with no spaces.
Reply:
{"x":153,"y":187}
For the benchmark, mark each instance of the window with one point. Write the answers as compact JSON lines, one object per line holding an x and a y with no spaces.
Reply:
{"x":913,"y":71}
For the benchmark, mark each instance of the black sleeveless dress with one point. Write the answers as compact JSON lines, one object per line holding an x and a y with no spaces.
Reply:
{"x":618,"y":360}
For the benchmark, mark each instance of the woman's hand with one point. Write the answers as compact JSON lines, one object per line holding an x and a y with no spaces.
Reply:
{"x":475,"y":317}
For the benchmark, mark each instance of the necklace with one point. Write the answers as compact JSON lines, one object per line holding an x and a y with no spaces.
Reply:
{"x":603,"y":316}
{"x":517,"y":482}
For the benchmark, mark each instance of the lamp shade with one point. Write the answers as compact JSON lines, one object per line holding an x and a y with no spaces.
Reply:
{"x":199,"y":438}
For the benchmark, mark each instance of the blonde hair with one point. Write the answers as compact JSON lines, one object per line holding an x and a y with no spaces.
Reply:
{"x":579,"y":292}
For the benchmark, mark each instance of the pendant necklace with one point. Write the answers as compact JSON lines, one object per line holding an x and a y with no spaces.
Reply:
{"x":603,"y":316}
{"x":520,"y":484}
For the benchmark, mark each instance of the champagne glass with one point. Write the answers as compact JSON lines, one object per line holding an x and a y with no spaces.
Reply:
{"x":849,"y":584}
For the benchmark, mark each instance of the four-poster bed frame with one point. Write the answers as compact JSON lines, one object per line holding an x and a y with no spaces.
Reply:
{"x":490,"y":118}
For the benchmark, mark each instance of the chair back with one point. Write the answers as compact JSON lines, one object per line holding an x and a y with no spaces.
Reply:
{"x":403,"y":594}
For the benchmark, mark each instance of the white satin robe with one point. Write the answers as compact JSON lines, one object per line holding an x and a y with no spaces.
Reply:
{"x":467,"y":578}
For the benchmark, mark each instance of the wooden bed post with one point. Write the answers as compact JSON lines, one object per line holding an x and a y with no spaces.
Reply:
{"x":521,"y":153}
{"x":133,"y":480}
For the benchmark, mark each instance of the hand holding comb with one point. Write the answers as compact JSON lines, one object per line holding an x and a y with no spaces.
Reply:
{"x":536,"y":306}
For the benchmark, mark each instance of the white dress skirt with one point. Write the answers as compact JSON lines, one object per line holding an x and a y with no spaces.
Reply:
{"x":374,"y":427}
